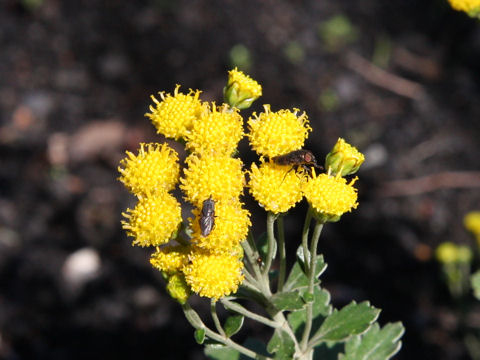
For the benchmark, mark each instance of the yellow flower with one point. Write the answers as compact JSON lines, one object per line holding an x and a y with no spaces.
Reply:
{"x":277,"y":133}
{"x":447,"y":253}
{"x":344,"y":159}
{"x":277,"y":188}
{"x":217,"y":131}
{"x":173,"y":116}
{"x":213,"y":275}
{"x":155,"y":169}
{"x":330,"y":196}
{"x":178,"y":289}
{"x":154,"y":220}
{"x":241,"y":90}
{"x":466,"y":5}
{"x":471,"y":222}
{"x":231,"y":227}
{"x":219,"y":177}
{"x":170,"y":259}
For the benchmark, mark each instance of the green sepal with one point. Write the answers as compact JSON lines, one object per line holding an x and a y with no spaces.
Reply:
{"x":199,"y":335}
{"x":375,"y":344}
{"x":233,"y":324}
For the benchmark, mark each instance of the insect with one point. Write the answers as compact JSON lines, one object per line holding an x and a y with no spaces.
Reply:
{"x":207,"y":217}
{"x":296,"y":158}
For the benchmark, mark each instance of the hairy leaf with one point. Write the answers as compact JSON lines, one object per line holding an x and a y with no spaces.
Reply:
{"x":353,"y":319}
{"x":375,"y":344}
{"x":233,"y":324}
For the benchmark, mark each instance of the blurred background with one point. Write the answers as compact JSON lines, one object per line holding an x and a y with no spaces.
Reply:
{"x":399,"y":79}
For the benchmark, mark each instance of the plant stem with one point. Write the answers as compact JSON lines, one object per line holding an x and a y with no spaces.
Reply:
{"x":281,"y":254}
{"x":306,"y":229}
{"x":311,"y":282}
{"x":231,"y":305}
{"x":252,"y":259}
{"x":197,"y":323}
{"x":271,"y":243}
{"x":216,"y":320}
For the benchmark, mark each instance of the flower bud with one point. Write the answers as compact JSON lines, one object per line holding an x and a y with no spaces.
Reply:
{"x":241,"y":90}
{"x":447,"y":253}
{"x":178,"y":289}
{"x":344,"y":159}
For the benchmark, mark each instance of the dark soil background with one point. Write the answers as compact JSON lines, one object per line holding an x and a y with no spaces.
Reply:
{"x":75,"y":80}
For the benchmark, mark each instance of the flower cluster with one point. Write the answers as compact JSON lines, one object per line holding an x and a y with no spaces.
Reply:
{"x":280,"y":136}
{"x":472,"y":224}
{"x":203,"y":254}
{"x":471,"y":7}
{"x":208,"y":263}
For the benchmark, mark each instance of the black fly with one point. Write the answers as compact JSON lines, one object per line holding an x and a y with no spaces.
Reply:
{"x":207,"y":218}
{"x":296,"y":158}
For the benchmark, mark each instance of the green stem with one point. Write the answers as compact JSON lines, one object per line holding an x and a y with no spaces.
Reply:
{"x":306,"y":229}
{"x":197,"y":323}
{"x":252,"y":257}
{"x":271,"y":243}
{"x":216,"y":320}
{"x":311,"y":282}
{"x":231,"y":305}
{"x":281,"y":254}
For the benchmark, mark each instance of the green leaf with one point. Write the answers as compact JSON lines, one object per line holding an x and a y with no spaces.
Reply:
{"x":328,"y":351}
{"x":375,"y":344}
{"x":475,"y":281}
{"x":288,"y":301}
{"x":221,"y":352}
{"x":282,"y":345}
{"x":321,"y":309}
{"x":199,"y":335}
{"x":353,"y":319}
{"x":298,"y":280}
{"x":233,"y":324}
{"x":301,"y":256}
{"x":262,"y":245}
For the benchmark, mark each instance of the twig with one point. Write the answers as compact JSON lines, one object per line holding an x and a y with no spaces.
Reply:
{"x":424,"y":184}
{"x":384,"y":79}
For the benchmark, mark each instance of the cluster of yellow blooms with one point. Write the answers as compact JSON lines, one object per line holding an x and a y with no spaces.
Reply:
{"x":210,"y":264}
{"x":471,"y":7}
{"x":472,"y":224}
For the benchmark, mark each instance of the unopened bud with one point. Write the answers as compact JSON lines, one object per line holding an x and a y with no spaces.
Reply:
{"x":178,"y":289}
{"x":241,"y":90}
{"x":344,"y":159}
{"x":447,"y":253}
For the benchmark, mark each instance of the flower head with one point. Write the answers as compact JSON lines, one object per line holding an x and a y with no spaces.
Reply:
{"x":330,"y":196}
{"x":231,"y":227}
{"x":241,"y":90}
{"x":218,"y":177}
{"x":277,"y":133}
{"x":173,"y":116}
{"x":471,"y":222}
{"x":344,"y":159}
{"x":155,"y":169}
{"x":154,"y":220}
{"x":213,"y":275}
{"x":170,"y":259}
{"x":472,"y":7}
{"x":217,"y":131}
{"x":178,"y":288}
{"x":275,"y":187}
